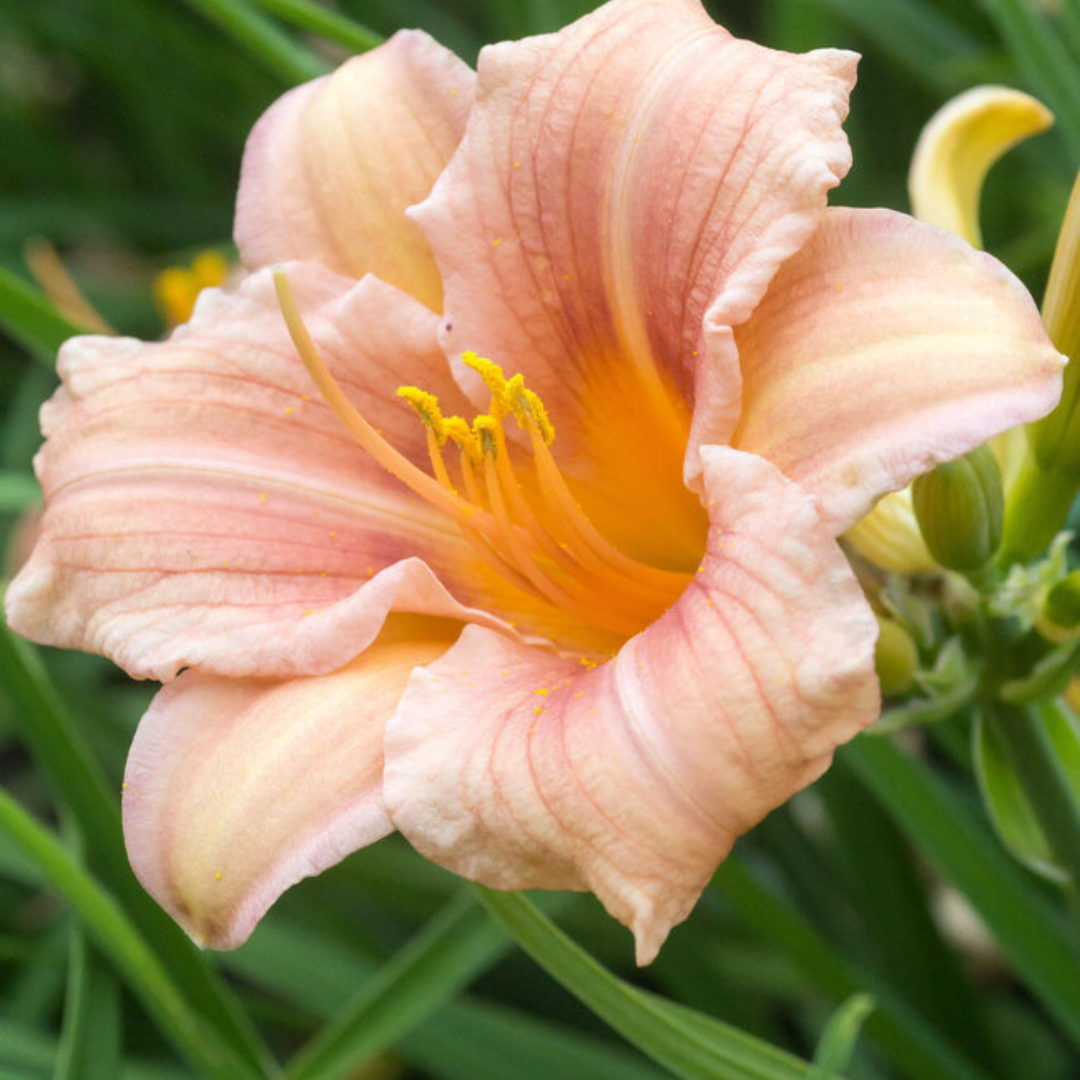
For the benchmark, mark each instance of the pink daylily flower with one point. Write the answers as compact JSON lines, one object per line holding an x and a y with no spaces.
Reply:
{"x":586,"y":663}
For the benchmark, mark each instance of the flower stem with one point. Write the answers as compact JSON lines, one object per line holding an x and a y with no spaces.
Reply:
{"x":1037,"y":507}
{"x":1022,"y":732}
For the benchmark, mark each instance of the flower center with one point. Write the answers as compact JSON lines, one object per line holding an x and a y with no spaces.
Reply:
{"x":538,"y":538}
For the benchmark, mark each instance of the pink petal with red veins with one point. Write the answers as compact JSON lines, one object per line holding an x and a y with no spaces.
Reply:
{"x":330,"y":168}
{"x":618,"y":182}
{"x":883,"y":347}
{"x":204,"y":507}
{"x":521,"y":770}
{"x":237,"y":789}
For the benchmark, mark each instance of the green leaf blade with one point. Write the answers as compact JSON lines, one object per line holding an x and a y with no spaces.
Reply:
{"x":690,"y":1044}
{"x":31,"y":319}
{"x":78,"y":783}
{"x":129,"y":952}
{"x":447,"y":954}
{"x":1031,"y":933}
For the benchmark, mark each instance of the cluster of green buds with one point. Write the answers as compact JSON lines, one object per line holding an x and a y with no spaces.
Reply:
{"x":979,"y":613}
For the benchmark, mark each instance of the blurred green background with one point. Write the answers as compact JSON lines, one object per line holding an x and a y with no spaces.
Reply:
{"x":122,"y":124}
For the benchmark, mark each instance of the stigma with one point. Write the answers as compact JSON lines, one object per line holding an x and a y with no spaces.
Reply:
{"x":513,"y":506}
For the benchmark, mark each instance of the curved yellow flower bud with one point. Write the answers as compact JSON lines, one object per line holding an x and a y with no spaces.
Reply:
{"x":957,"y":148}
{"x":889,"y":536}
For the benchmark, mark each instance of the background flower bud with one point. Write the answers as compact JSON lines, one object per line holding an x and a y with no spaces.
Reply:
{"x":1059,"y":618}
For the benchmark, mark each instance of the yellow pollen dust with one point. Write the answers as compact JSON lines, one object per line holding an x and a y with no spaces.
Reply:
{"x":527,"y":526}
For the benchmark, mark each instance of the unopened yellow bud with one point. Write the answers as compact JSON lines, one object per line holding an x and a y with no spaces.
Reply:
{"x":889,"y":536}
{"x":959,"y":507}
{"x":957,"y":148}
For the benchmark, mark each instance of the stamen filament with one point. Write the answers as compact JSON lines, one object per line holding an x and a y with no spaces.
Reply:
{"x":575,"y":556}
{"x":511,"y":396}
{"x":597,"y":609}
{"x":58,"y":285}
{"x":520,"y":556}
{"x":480,"y":542}
{"x":520,"y":506}
{"x":438,"y":466}
{"x":427,"y":487}
{"x":667,"y":582}
{"x":486,"y":550}
{"x":557,"y":556}
{"x":468,"y":476}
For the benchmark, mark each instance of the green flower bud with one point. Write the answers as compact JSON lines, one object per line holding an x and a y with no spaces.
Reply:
{"x":895,"y":657}
{"x":959,"y":507}
{"x":1059,"y":618}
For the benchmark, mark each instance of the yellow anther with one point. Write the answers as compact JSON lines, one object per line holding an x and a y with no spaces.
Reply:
{"x":485,"y":428}
{"x":559,"y":559}
{"x":524,"y":403}
{"x":427,"y":406}
{"x":458,"y":430}
{"x":493,"y":377}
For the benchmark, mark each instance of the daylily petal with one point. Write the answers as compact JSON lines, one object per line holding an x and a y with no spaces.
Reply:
{"x":957,"y":148}
{"x":618,"y":182}
{"x":883,"y":347}
{"x":203,"y":509}
{"x":238,"y":788}
{"x":520,"y":769}
{"x":330,"y":168}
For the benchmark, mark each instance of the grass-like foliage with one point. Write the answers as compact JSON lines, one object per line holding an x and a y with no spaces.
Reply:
{"x":873,"y":928}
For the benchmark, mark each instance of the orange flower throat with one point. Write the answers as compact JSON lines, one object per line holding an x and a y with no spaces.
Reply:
{"x":543,"y":543}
